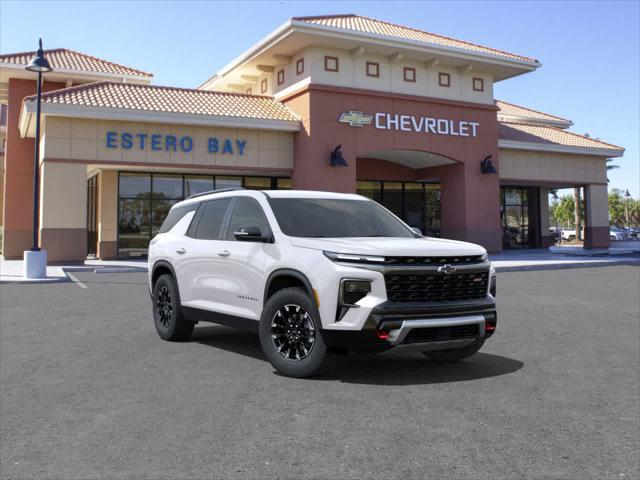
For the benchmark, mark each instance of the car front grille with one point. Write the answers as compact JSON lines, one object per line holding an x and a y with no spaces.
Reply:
{"x":459,"y":260}
{"x":442,"y":334}
{"x":436,"y":287}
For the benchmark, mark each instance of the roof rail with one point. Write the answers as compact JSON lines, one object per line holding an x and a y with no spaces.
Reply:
{"x":209,"y":192}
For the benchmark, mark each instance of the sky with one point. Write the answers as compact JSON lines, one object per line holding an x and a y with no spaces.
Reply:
{"x":590,"y":51}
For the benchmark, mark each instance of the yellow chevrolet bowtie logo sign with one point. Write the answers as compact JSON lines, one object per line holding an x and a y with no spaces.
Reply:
{"x":355,"y":119}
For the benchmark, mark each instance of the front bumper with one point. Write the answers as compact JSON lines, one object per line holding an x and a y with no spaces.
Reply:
{"x":428,"y":327}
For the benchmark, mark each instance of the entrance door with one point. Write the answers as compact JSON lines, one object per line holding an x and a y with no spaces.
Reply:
{"x":92,"y":216}
{"x":519,"y":217}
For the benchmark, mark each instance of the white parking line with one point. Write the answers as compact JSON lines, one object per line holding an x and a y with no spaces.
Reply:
{"x":75,"y":280}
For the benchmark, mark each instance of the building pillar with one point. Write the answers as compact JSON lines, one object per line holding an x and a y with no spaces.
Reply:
{"x":596,"y":216}
{"x":312,"y":168}
{"x":470,"y":205}
{"x":107,"y":214}
{"x":546,"y":239}
{"x":63,"y":211}
{"x":18,"y":174}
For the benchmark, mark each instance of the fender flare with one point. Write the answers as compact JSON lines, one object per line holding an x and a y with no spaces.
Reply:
{"x":288,"y":272}
{"x":163,"y":263}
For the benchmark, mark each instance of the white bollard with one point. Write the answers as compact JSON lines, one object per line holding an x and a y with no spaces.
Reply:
{"x":35,"y":264}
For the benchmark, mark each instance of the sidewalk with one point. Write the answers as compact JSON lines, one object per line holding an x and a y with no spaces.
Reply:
{"x":544,"y":259}
{"x":11,"y":270}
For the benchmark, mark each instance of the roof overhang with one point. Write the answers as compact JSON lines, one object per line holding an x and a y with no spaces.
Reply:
{"x":294,"y":35}
{"x":555,"y":148}
{"x":27,"y":118}
{"x":533,"y":121}
{"x":13,"y":70}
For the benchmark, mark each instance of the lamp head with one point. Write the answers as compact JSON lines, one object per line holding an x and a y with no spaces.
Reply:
{"x":39,"y":62}
{"x":337,"y":160}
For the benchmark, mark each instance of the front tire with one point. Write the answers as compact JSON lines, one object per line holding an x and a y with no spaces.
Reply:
{"x":454,"y":354}
{"x":290,"y":334}
{"x":167,"y":311}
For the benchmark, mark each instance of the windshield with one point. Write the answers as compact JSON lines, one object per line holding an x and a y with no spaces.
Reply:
{"x":336,"y":218}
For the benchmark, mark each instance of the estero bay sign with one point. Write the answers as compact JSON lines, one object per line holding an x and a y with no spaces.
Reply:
{"x":411,"y":123}
{"x":171,"y":143}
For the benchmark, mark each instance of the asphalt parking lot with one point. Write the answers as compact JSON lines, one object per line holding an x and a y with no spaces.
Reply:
{"x":88,"y":390}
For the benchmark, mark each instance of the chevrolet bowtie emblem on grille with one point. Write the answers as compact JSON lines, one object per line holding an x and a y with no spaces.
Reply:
{"x":446,"y":269}
{"x":355,"y":119}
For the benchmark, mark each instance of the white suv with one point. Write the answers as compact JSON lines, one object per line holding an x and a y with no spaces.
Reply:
{"x":316,"y":274}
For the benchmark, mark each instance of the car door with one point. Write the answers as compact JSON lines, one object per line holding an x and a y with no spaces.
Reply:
{"x":197,"y":264}
{"x":242,"y":269}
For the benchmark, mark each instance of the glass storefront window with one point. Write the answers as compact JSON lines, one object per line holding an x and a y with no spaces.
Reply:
{"x":414,"y":205}
{"x":145,"y":200}
{"x":372,"y":190}
{"x":135,"y":184}
{"x":228,"y":182}
{"x":392,"y":197}
{"x":197,"y":184}
{"x":418,"y":204}
{"x":284,"y":184}
{"x":167,"y":186}
{"x":257,"y":183}
{"x":134,"y":226}
{"x":519,"y":219}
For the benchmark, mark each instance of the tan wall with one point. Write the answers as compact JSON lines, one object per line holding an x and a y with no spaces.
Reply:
{"x":63,"y":211}
{"x":80,"y":139}
{"x":352,"y":74}
{"x":108,"y":206}
{"x":552,"y":167}
{"x":598,"y":206}
{"x":63,"y":195}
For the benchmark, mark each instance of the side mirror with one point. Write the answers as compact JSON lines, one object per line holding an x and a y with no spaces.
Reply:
{"x":251,"y":234}
{"x":417,"y":231}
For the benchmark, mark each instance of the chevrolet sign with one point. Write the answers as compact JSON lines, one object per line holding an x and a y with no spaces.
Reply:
{"x":410,"y":123}
{"x":355,"y":119}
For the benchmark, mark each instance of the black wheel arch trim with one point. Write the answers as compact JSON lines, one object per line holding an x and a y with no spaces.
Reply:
{"x":289,"y":272}
{"x":164,"y":264}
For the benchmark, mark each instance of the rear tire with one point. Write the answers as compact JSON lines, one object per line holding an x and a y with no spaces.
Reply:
{"x":290,"y":334}
{"x":454,"y":354}
{"x":167,"y":311}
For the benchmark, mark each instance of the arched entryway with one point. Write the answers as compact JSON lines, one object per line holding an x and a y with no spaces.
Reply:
{"x":407,"y":183}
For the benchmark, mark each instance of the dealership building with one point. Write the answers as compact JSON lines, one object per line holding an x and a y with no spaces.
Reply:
{"x":341,"y":103}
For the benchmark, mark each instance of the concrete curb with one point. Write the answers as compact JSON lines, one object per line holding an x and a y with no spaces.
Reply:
{"x":566,"y":266}
{"x":120,"y":270}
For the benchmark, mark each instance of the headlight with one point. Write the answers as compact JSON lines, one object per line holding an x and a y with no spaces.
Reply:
{"x":353,"y":257}
{"x":352,"y":290}
{"x":485,"y":257}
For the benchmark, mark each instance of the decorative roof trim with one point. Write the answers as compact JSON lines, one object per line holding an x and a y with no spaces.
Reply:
{"x":129,"y":115}
{"x":545,"y":147}
{"x":445,"y":37}
{"x":135,"y":73}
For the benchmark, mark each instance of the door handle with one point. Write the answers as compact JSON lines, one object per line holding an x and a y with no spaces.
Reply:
{"x":181,"y":251}
{"x":224,"y":253}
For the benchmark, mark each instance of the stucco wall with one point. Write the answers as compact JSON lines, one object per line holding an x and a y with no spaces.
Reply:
{"x":551,"y":167}
{"x":352,"y":73}
{"x":85,"y":140}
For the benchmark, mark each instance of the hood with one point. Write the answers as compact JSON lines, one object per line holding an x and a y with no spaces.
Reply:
{"x":388,"y":246}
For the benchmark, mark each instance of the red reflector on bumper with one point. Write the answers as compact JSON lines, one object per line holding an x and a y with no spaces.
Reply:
{"x":382,"y":334}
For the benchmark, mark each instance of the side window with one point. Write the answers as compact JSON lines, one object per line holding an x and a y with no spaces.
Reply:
{"x":247,"y":213}
{"x":210,"y":221}
{"x":175,"y":215}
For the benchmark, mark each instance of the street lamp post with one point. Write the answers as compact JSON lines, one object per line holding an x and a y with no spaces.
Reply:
{"x":35,"y":260}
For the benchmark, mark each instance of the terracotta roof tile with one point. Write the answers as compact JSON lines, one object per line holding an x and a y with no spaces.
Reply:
{"x":379,"y":27}
{"x":153,"y":98}
{"x":517,"y":132}
{"x":513,"y":110}
{"x":65,"y":59}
